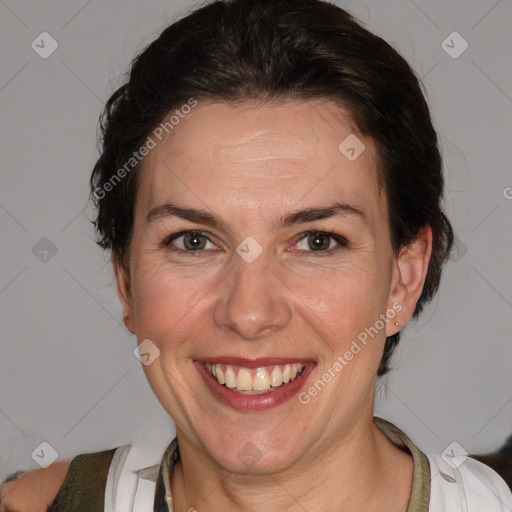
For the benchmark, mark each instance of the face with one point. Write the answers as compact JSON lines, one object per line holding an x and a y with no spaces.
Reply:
{"x":226,"y":275}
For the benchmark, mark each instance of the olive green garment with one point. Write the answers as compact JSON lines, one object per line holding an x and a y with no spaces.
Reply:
{"x":84,"y":487}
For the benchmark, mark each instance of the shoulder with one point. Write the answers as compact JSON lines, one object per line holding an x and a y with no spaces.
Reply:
{"x":66,"y":484}
{"x":33,"y":490}
{"x":469,"y":483}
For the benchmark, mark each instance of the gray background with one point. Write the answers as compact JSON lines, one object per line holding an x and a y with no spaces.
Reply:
{"x":68,"y":375}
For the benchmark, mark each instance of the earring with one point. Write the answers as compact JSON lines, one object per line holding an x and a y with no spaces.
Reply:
{"x":397,"y":323}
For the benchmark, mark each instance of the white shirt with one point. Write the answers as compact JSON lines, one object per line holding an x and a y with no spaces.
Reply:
{"x":471,"y":487}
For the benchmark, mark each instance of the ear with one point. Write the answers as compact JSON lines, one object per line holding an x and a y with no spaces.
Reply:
{"x":409,"y":274}
{"x":124,"y":293}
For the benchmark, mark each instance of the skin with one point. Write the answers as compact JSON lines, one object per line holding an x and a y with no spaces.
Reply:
{"x":251,"y":165}
{"x":34,"y":490}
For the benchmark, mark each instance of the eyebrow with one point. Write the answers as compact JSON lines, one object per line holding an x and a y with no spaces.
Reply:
{"x":310,"y":214}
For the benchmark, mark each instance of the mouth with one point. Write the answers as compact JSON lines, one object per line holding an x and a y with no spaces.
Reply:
{"x":252,"y":381}
{"x":254,"y":385}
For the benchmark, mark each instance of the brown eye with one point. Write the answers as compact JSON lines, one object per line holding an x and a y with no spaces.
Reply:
{"x":188,"y":241}
{"x":321,"y":242}
{"x":194,"y":241}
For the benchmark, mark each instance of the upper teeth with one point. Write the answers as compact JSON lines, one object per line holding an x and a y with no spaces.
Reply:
{"x":254,"y":379}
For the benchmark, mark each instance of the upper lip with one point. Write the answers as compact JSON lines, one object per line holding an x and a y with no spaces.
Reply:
{"x":253,"y":363}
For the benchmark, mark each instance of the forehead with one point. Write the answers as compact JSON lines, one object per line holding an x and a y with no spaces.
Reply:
{"x":243,"y":157}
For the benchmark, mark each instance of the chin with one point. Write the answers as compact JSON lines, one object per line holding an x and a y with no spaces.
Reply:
{"x":247,"y":454}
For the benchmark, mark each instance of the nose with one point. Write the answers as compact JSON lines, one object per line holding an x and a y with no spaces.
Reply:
{"x":254,"y":302}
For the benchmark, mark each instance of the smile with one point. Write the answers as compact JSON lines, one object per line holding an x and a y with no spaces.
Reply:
{"x":254,"y":385}
{"x":254,"y":380}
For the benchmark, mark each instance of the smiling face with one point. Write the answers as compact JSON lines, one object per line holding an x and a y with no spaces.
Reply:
{"x":251,"y":289}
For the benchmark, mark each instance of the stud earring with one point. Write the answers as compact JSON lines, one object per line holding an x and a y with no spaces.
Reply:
{"x":397,"y":323}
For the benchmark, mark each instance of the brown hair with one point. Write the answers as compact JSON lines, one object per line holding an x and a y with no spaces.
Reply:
{"x":269,"y":50}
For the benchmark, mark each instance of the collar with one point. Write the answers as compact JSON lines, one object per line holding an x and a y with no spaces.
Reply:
{"x":420,"y":493}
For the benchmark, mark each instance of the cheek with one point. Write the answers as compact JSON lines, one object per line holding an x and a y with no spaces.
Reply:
{"x":164,"y":304}
{"x":344,"y":308}
{"x":345,"y":296}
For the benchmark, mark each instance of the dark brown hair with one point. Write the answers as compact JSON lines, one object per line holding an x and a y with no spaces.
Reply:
{"x":270,"y":50}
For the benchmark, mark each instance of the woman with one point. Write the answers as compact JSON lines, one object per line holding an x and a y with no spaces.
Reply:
{"x":270,"y":188}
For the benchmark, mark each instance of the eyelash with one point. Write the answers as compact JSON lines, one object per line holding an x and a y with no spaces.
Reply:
{"x":340,"y":240}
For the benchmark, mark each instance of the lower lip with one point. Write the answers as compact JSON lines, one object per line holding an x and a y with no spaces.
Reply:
{"x":258,"y":402}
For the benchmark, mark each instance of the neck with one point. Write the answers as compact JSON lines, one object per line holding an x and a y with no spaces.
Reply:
{"x":361,"y":471}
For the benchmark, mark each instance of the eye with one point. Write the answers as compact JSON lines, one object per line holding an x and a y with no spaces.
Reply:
{"x":189,"y":241}
{"x":320,"y":242}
